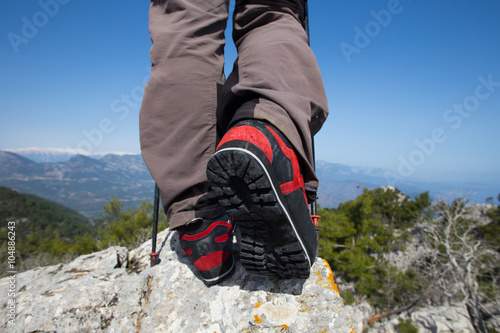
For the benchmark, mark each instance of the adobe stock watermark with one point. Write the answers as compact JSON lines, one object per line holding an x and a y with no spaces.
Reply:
{"x":31,"y":25}
{"x":454,"y":118}
{"x":121,"y":107}
{"x":373,"y":28}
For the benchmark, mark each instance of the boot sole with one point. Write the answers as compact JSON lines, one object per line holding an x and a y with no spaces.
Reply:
{"x":270,"y":243}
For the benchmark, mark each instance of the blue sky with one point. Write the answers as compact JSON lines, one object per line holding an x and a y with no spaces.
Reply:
{"x":413,"y":86}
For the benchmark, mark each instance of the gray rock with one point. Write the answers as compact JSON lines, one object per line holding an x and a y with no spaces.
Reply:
{"x":437,"y":319}
{"x":115,"y":290}
{"x":360,"y":314}
{"x":442,"y":319}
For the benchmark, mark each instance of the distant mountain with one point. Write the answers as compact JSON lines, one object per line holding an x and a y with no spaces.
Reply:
{"x":343,"y":172}
{"x":15,"y":166}
{"x":86,"y":183}
{"x":52,"y":155}
{"x":340,"y":183}
{"x":82,"y":183}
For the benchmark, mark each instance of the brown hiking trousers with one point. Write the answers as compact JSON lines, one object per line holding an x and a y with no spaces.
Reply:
{"x":188,"y":105}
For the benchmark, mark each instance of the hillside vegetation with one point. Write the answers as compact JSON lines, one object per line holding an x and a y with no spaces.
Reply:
{"x":357,"y":236}
{"x":47,"y":233}
{"x":43,"y":231}
{"x":399,"y":253}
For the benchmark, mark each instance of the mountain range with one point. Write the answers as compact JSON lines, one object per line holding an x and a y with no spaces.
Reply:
{"x":86,"y":183}
{"x":339,"y":183}
{"x":52,"y":155}
{"x":82,"y":183}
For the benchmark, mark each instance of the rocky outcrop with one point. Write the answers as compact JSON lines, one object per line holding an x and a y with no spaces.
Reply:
{"x":116,"y":291}
{"x":438,"y":319}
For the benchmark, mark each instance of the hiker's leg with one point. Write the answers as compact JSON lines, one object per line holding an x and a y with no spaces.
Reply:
{"x":276,"y":76}
{"x":177,"y":117}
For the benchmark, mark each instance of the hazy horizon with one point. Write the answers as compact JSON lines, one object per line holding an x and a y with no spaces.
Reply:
{"x":391,"y":175}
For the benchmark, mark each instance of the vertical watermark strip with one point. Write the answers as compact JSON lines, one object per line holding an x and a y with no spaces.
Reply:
{"x":11,"y":271}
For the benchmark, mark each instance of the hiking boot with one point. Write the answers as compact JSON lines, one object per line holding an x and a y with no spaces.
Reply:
{"x":257,"y":178}
{"x":208,"y":244}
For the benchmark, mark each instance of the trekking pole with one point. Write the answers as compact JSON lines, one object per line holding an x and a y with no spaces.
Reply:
{"x":314,"y":208}
{"x":154,"y":257}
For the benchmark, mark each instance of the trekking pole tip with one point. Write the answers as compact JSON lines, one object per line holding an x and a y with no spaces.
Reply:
{"x":155,"y":258}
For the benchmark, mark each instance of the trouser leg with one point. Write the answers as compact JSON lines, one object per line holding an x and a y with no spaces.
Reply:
{"x":276,"y":76}
{"x":178,"y":113}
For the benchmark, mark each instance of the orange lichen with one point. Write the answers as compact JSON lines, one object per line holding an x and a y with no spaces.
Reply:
{"x":284,"y":328}
{"x":330,"y":276}
{"x":257,"y":305}
{"x":257,"y":319}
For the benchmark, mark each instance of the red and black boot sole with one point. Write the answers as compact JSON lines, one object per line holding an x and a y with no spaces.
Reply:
{"x":257,"y":178}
